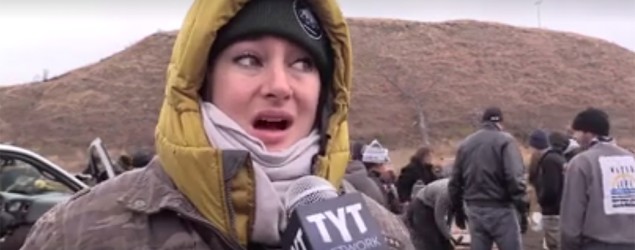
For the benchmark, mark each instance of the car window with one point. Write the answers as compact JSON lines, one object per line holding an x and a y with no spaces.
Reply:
{"x":17,"y":176}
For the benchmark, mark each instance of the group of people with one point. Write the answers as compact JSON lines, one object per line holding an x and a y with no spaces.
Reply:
{"x":371,"y":172}
{"x":257,"y":96}
{"x":584,"y":185}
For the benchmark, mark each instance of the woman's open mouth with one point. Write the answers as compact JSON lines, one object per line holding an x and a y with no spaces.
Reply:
{"x":271,"y":126}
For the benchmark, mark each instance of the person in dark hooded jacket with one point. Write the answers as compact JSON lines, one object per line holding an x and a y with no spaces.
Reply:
{"x":539,"y":143}
{"x":550,"y":171}
{"x":419,"y":168}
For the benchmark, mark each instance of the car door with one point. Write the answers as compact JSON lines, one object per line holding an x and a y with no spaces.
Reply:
{"x":100,"y":166}
{"x":29,"y":186}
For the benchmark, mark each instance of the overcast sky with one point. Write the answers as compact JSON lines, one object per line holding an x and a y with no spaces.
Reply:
{"x":61,"y":35}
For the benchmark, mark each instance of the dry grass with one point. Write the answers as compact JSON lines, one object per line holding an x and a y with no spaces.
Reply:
{"x":539,"y":78}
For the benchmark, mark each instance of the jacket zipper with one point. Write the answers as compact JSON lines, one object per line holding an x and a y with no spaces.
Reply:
{"x":230,"y":207}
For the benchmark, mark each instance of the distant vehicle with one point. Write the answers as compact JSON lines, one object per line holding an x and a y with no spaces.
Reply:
{"x":30,"y":185}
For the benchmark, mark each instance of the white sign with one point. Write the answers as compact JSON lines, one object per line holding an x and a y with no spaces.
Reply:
{"x":618,"y":183}
{"x":375,"y":153}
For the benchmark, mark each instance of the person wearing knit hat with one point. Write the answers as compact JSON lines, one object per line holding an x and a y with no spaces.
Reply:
{"x":539,"y":143}
{"x":377,"y":161}
{"x":488,"y":177}
{"x":257,"y":97}
{"x":590,"y":126}
{"x":538,"y":139}
{"x":548,"y":185}
{"x":597,"y":211}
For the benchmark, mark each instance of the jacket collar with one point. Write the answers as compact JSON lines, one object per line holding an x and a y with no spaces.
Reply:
{"x":490,"y":126}
{"x":153,"y":191}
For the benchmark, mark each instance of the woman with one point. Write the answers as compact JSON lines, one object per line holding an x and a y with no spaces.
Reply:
{"x":253,"y":90}
{"x":419,"y":168}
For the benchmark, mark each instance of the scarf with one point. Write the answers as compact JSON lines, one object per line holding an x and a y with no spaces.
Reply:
{"x":273,"y":171}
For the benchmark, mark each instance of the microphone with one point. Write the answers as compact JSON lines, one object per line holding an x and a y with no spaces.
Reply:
{"x":319,"y":219}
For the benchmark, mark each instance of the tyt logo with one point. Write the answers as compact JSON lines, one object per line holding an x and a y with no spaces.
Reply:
{"x":338,"y":219}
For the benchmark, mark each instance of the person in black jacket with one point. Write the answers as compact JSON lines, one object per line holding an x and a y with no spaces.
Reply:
{"x":539,"y":143}
{"x":419,"y":168}
{"x":488,"y":177}
{"x":550,"y":169}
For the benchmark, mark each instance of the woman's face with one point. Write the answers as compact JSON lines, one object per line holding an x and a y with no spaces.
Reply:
{"x":270,"y":87}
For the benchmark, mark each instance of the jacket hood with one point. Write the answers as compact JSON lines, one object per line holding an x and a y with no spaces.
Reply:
{"x":181,"y":143}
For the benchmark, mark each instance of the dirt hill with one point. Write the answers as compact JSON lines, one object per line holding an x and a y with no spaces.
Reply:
{"x":539,"y":77}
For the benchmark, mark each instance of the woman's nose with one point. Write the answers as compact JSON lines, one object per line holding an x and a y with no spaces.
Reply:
{"x":278,"y":84}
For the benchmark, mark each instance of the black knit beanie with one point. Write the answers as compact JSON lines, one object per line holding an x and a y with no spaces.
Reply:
{"x":539,"y":139}
{"x":592,"y":120}
{"x":293,"y":20}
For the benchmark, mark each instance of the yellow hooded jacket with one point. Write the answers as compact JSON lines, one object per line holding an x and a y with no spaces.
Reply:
{"x":194,"y":166}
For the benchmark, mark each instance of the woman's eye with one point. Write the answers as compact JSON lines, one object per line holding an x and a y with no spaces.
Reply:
{"x":304,"y":64}
{"x":248,"y":60}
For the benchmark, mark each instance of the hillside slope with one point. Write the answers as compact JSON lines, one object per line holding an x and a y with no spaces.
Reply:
{"x":539,"y":77}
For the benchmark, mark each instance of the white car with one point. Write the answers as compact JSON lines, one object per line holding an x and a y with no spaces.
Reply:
{"x":30,"y":185}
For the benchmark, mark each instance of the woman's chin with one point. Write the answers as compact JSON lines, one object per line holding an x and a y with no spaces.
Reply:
{"x":277,"y":147}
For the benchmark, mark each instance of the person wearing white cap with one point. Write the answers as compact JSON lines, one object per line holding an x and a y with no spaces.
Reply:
{"x":377,"y":161}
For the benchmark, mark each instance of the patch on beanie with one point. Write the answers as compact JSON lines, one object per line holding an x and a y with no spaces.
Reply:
{"x":307,"y":19}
